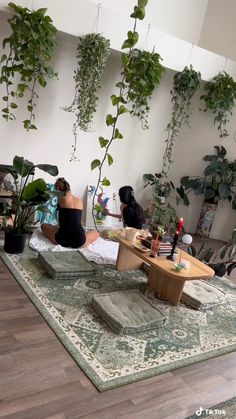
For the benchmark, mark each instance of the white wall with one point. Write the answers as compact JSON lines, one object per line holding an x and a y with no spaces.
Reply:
{"x":191,"y":146}
{"x":219,"y":30}
{"x":182,"y":27}
{"x":140,"y":152}
{"x":181,"y":18}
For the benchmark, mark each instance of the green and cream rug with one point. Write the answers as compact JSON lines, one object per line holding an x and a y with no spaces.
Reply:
{"x":110,"y":360}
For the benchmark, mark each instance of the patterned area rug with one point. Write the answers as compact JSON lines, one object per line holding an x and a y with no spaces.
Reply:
{"x":224,"y":410}
{"x":110,"y":360}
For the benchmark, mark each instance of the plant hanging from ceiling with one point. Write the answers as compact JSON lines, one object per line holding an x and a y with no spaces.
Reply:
{"x":220,"y":99}
{"x":30,"y":46}
{"x":92,"y":54}
{"x":184,"y":86}
{"x":119,"y":101}
{"x":142,"y":73}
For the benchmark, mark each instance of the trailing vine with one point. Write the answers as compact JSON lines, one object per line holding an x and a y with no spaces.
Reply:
{"x":31,"y":46}
{"x":142,"y":74}
{"x":92,"y":54}
{"x":119,"y":100}
{"x":184,"y":86}
{"x":220,"y":99}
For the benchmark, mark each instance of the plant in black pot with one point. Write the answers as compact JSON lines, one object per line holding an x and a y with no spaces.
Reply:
{"x":222,"y":261}
{"x":218,"y":182}
{"x":27,"y":198}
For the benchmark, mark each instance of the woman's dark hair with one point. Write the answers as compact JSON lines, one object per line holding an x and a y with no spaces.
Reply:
{"x":126,"y":194}
{"x":62,"y":185}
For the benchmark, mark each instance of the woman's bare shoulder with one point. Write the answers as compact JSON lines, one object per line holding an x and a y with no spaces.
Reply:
{"x":78,"y":203}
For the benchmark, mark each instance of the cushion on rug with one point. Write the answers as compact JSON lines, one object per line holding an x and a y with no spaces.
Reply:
{"x":201,"y":295}
{"x":66,"y":265}
{"x":128,"y":311}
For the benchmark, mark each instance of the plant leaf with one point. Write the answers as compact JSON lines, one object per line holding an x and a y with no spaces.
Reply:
{"x":95,"y":163}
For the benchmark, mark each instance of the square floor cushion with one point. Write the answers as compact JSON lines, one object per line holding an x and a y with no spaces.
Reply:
{"x":66,"y":265}
{"x":128,"y":312}
{"x":201,"y":295}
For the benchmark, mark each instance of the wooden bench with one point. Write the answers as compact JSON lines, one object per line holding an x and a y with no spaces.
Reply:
{"x":163,"y":277}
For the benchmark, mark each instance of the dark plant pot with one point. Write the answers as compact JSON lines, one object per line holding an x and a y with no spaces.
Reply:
{"x":219,"y":268}
{"x":14,"y":243}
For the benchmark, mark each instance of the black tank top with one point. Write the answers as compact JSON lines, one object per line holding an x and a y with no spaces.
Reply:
{"x":71,"y":232}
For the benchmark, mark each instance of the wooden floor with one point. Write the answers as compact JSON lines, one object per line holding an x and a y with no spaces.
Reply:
{"x":39,"y":379}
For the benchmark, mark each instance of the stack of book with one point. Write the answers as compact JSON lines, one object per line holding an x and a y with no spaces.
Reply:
{"x":165,"y":249}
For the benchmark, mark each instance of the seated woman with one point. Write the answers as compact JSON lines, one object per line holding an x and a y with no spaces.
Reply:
{"x":69,"y":232}
{"x":132,"y":213}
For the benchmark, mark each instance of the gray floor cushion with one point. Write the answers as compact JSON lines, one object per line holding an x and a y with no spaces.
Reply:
{"x":199,"y":295}
{"x":128,"y":311}
{"x":66,"y":265}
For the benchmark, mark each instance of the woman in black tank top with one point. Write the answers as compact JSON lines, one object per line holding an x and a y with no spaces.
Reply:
{"x":69,"y":232}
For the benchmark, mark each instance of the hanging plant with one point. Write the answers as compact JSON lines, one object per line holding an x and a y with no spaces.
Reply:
{"x":184,"y":86}
{"x":118,"y":101}
{"x":220,"y":99}
{"x":92,"y":54}
{"x":142,"y":73}
{"x":30,"y":47}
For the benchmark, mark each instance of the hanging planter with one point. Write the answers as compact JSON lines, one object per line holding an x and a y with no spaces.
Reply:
{"x":184,"y":86}
{"x":220,"y":99}
{"x":142,"y":75}
{"x":30,"y":46}
{"x":92,"y":54}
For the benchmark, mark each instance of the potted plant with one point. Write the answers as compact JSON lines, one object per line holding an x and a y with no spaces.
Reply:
{"x":92,"y":54}
{"x":223,"y":261}
{"x":162,"y":187}
{"x":185,"y":84}
{"x":160,"y":213}
{"x":218,"y":182}
{"x":24,"y":67}
{"x":27,"y":198}
{"x":142,"y":74}
{"x":219,"y":98}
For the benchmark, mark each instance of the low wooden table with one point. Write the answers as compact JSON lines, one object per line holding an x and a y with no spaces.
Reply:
{"x":163,"y":277}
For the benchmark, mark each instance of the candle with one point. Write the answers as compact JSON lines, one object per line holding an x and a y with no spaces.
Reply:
{"x":180,"y":225}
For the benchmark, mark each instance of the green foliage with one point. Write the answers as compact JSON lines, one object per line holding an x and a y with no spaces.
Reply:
{"x":162,"y":215}
{"x":92,"y":54}
{"x":184,"y":86}
{"x":142,"y":73}
{"x":161,"y":186}
{"x":28,"y":196}
{"x":220,"y":99}
{"x":30,"y":46}
{"x":118,"y":101}
{"x":218,"y":181}
{"x":222,"y":261}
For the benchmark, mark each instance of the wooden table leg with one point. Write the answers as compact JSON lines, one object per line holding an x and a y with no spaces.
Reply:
{"x":167,"y":287}
{"x":127,"y":260}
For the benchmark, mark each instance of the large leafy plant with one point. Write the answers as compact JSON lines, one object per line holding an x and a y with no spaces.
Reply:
{"x":28,"y":197}
{"x":218,"y":180}
{"x":222,"y":261}
{"x":185,"y":84}
{"x":142,"y":73}
{"x":92,"y":54}
{"x":220,"y":99}
{"x":25,"y":66}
